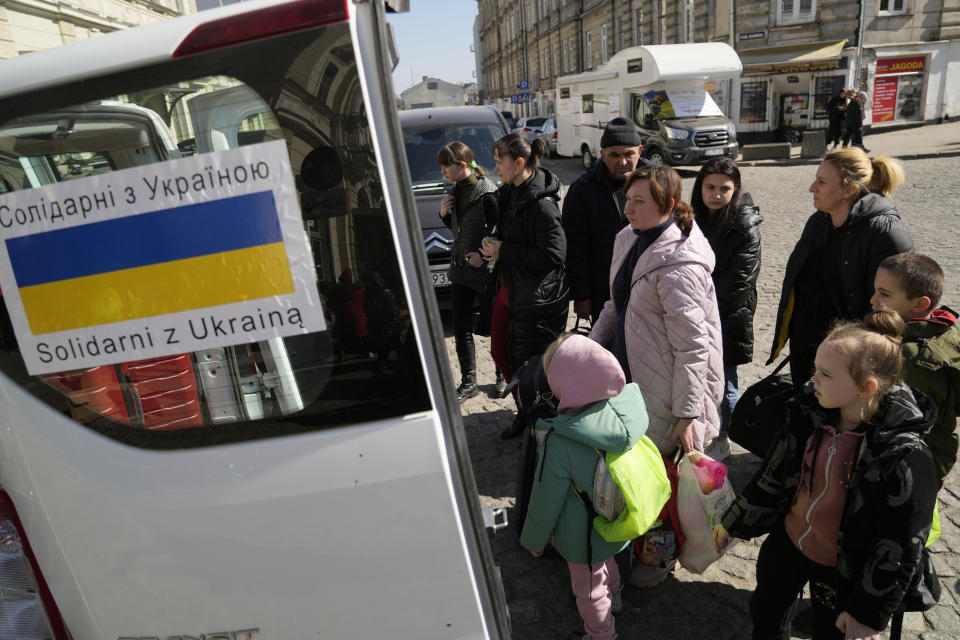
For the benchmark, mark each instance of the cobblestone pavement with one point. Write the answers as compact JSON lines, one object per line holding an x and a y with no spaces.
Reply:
{"x":714,"y":605}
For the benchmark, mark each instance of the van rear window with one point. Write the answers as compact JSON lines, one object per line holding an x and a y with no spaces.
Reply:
{"x":200,"y":252}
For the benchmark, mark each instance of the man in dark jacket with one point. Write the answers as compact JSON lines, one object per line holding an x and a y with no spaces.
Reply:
{"x":853,"y":121}
{"x":593,"y":215}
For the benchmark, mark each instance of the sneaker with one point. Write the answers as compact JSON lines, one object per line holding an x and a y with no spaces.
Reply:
{"x":616,"y":602}
{"x":719,"y":448}
{"x":645,"y":576}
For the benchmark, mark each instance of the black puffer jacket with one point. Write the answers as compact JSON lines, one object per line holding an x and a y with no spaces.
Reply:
{"x":531,"y":264}
{"x":736,"y":245}
{"x":872,"y":232}
{"x":469,"y":227}
{"x":881,"y":559}
{"x":592,"y":217}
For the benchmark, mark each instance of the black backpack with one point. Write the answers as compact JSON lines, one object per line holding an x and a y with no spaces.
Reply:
{"x":759,"y":413}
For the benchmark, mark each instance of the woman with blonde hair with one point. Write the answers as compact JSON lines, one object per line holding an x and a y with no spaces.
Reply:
{"x":830,"y":273}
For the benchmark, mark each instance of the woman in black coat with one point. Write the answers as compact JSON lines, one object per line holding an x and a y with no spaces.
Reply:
{"x":836,"y":106}
{"x":830,"y":273}
{"x":532,"y":299}
{"x":470,"y":210}
{"x":731,"y":223}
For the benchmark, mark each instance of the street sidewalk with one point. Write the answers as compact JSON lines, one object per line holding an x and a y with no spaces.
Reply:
{"x":928,"y":141}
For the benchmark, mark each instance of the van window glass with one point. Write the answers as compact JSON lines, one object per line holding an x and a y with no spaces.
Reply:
{"x":270,"y":377}
{"x":422,"y":142}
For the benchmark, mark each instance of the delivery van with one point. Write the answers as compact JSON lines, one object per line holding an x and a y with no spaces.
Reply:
{"x":206,"y":231}
{"x":663,"y":90}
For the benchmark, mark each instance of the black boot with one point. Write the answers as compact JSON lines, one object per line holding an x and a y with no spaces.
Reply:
{"x":501,"y":385}
{"x":468,"y":368}
{"x":515,"y":429}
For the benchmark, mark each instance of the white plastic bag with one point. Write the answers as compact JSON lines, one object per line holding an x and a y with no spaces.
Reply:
{"x":698,"y":513}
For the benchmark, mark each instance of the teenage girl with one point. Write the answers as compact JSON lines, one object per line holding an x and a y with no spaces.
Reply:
{"x":731,"y":223}
{"x":846,"y":492}
{"x":470,"y":210}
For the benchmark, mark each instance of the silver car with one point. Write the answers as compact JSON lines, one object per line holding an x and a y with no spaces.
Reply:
{"x":529,"y":127}
{"x":549,"y":134}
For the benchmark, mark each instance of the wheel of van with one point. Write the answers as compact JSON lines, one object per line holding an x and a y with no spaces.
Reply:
{"x":656,"y":156}
{"x":588,"y":158}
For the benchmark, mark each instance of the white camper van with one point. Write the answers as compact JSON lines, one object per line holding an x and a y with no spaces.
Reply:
{"x":194,"y":439}
{"x":661,"y":88}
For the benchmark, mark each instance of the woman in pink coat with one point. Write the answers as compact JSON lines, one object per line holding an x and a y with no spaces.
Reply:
{"x":661,"y":321}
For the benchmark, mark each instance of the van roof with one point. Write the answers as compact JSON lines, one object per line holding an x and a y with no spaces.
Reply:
{"x":448,"y":115}
{"x":119,"y":50}
{"x":638,"y":66}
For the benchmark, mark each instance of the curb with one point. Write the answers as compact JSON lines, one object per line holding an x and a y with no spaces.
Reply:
{"x":792,"y":162}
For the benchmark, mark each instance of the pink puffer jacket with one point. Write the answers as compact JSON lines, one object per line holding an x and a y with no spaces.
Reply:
{"x":672,"y":331}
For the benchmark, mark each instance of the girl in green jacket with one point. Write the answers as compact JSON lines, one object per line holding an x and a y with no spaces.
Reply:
{"x":597,"y":411}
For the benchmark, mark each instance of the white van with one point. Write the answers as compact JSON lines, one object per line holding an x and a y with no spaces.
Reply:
{"x":226,"y":410}
{"x":660,"y":88}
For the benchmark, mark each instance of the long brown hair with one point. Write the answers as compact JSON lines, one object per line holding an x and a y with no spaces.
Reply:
{"x":665,"y":185}
{"x":456,"y":152}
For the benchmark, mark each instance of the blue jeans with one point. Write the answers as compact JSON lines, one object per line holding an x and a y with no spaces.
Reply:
{"x":731,"y":393}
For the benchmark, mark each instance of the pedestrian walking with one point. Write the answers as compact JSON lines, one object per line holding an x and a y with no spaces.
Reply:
{"x":853,"y":120}
{"x":731,"y":223}
{"x":470,"y":211}
{"x":846,"y":494}
{"x":593,"y":215}
{"x":532,"y":296}
{"x":830,"y":272}
{"x":836,"y":108}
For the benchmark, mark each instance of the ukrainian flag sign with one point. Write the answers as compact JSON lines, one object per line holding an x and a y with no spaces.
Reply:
{"x":173,"y":257}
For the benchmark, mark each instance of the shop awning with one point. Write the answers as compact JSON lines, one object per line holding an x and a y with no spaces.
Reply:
{"x":797,"y":58}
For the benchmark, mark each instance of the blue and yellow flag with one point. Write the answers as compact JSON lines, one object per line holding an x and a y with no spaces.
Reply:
{"x":180,"y":259}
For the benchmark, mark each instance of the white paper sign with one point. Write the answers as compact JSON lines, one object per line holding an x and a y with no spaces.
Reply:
{"x":168,"y":258}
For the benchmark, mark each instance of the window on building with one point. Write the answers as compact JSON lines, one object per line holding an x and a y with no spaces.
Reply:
{"x":753,"y":102}
{"x":688,"y":17}
{"x":603,"y":44}
{"x":432,"y":86}
{"x":556,"y":59}
{"x":588,"y":52}
{"x":638,"y":40}
{"x":796,"y":11}
{"x":892,"y":7}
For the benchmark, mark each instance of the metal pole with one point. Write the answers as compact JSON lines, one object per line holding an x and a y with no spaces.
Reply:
{"x":856,"y":68}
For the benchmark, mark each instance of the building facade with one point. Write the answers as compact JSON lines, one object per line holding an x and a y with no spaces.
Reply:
{"x":905,"y":54}
{"x":33,"y":25}
{"x":433,"y":92}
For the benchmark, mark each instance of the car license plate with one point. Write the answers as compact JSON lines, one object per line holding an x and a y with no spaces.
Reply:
{"x":440,"y":277}
{"x":713,"y":152}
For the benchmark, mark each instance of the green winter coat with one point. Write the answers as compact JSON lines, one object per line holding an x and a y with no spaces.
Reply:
{"x":931,"y":364}
{"x":555,"y":514}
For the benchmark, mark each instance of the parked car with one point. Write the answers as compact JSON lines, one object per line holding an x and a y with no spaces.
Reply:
{"x":206,"y":225}
{"x":549,"y":134}
{"x":529,"y":126}
{"x":424,"y":132}
{"x":508,"y":117}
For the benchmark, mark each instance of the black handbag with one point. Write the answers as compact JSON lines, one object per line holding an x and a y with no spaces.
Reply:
{"x":760,"y":411}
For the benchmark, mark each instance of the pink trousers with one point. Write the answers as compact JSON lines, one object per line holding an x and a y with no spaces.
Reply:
{"x":594,"y":586}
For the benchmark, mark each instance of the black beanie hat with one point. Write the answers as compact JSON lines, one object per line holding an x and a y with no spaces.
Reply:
{"x":619,"y":132}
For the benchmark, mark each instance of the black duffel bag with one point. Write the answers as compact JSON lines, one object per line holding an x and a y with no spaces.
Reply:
{"x":535,"y":400}
{"x":760,"y":411}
